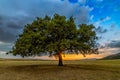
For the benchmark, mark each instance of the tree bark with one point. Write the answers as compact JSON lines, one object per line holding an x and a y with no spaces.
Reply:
{"x":60,"y":59}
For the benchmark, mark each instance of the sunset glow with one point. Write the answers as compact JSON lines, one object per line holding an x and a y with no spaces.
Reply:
{"x":79,"y":56}
{"x":74,"y":57}
{"x":102,"y":53}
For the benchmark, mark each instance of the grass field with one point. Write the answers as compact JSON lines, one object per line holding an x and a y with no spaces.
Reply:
{"x":48,"y":70}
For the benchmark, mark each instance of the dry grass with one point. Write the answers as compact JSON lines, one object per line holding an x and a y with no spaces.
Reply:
{"x":48,"y":70}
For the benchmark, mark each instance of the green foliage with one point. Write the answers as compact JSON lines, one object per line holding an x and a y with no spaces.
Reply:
{"x":54,"y":35}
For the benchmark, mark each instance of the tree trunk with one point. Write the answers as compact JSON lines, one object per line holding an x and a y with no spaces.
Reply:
{"x":60,"y":59}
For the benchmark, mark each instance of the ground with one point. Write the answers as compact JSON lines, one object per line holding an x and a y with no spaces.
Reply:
{"x":48,"y":70}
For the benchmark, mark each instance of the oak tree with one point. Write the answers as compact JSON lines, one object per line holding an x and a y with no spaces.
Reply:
{"x":55,"y":35}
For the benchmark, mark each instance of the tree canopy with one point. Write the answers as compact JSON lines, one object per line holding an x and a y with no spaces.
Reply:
{"x":55,"y":35}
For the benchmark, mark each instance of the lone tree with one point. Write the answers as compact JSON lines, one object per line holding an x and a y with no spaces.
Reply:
{"x":56,"y":35}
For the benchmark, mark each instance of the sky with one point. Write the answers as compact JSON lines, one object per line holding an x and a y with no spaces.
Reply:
{"x":103,"y":14}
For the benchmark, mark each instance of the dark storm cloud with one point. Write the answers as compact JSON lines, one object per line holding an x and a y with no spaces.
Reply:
{"x":16,"y":13}
{"x":1,"y":20}
{"x":6,"y":36}
{"x":18,"y":23}
{"x":13,"y":25}
{"x":10,"y":27}
{"x":5,"y":33}
{"x":114,"y":44}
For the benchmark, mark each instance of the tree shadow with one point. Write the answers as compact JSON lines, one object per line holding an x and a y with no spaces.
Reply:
{"x":55,"y":68}
{"x":37,"y":68}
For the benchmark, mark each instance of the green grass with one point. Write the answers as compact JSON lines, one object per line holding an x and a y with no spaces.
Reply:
{"x":48,"y":70}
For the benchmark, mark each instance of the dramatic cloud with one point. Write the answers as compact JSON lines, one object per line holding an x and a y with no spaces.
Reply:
{"x":10,"y":27}
{"x":1,"y":20}
{"x":101,"y":30}
{"x":83,"y":16}
{"x":15,"y":14}
{"x":6,"y":36}
{"x":105,"y":19}
{"x":114,"y":44}
{"x":101,"y":20}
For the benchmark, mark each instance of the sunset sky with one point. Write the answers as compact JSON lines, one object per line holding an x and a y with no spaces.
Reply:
{"x":104,"y":14}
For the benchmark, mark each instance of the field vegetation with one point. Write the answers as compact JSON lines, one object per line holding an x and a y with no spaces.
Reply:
{"x":48,"y":70}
